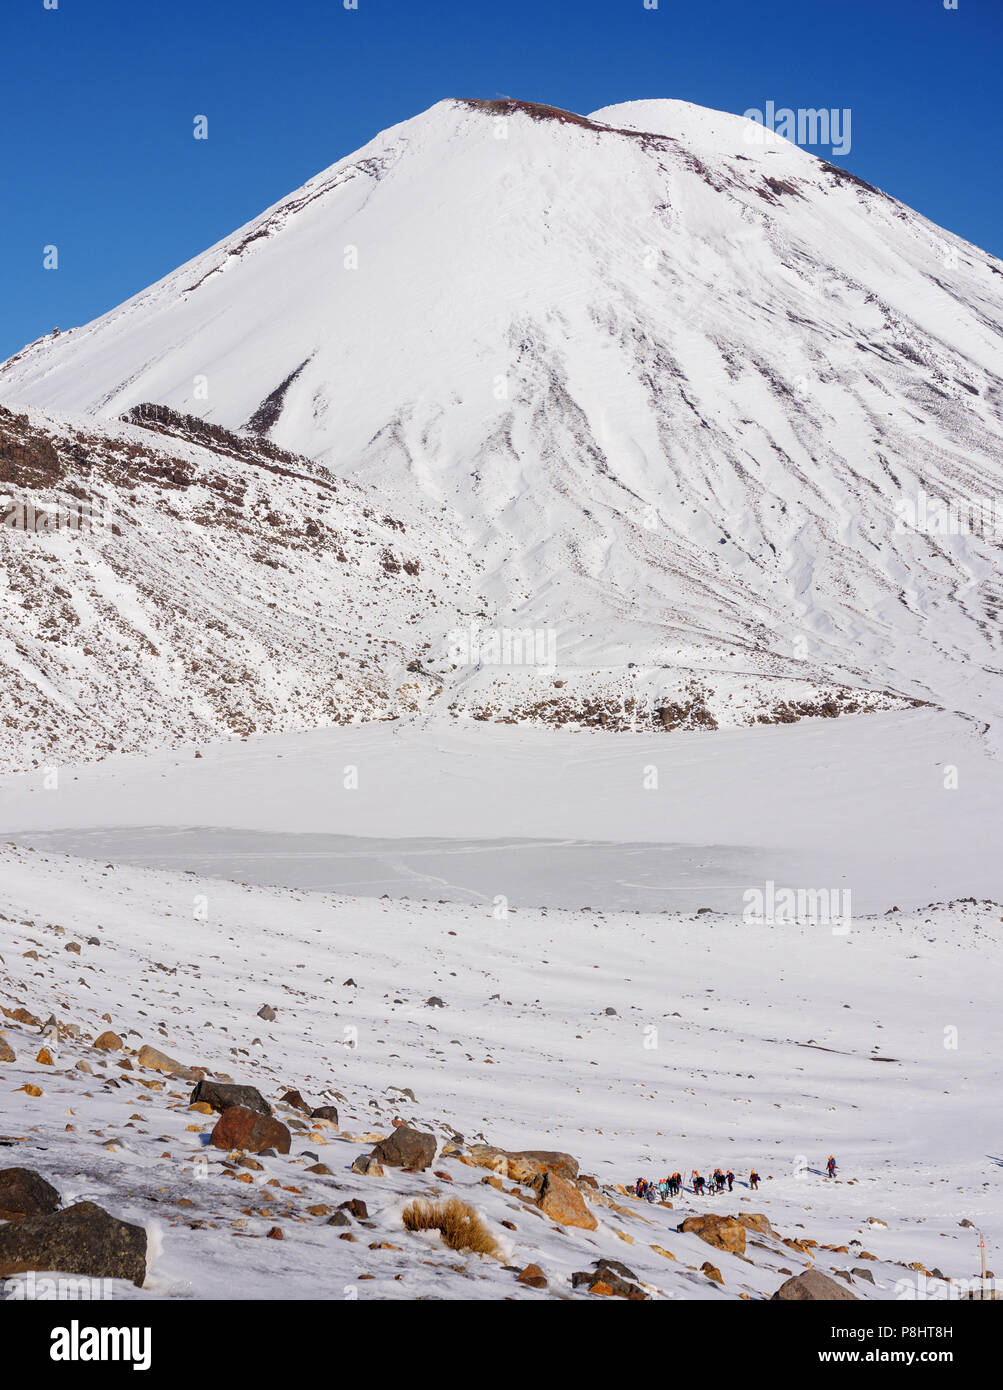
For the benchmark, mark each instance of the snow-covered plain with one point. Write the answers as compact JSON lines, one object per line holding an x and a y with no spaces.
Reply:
{"x":738,"y":1043}
{"x":730,"y":1044}
{"x":902,"y":809}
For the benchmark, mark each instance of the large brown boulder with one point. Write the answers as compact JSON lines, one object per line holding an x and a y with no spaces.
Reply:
{"x":240,"y":1128}
{"x":408,"y":1148}
{"x":82,"y":1240}
{"x":220,"y":1097}
{"x":813,"y":1286}
{"x":563,"y":1203}
{"x":723,"y":1232}
{"x":523,"y":1165}
{"x":25,"y":1193}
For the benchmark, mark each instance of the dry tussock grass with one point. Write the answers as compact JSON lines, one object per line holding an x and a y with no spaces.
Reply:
{"x":458,"y":1224}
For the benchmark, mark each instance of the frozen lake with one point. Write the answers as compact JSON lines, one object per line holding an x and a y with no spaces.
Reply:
{"x":902,"y":809}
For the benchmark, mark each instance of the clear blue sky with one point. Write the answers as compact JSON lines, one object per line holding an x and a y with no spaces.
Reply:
{"x":98,"y":99}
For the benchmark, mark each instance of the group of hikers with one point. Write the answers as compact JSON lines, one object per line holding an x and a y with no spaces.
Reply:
{"x":720,"y":1180}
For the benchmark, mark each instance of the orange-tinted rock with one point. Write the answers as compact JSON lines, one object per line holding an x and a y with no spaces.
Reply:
{"x":239,"y":1128}
{"x":755,"y":1221}
{"x":723,"y":1232}
{"x":525,"y":1164}
{"x":156,"y":1060}
{"x":563,"y":1203}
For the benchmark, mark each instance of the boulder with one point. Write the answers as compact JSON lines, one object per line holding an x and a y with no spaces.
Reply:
{"x":368,"y":1166}
{"x":155,"y":1060}
{"x":723,"y":1232}
{"x":563,"y":1203}
{"x":221,"y":1097}
{"x":408,"y":1148}
{"x":610,"y":1279}
{"x":21,"y":1015}
{"x":711,"y":1271}
{"x":25,"y":1193}
{"x":532,"y":1275}
{"x":756,"y":1221}
{"x":814,"y":1287}
{"x":7,"y":1053}
{"x":109,"y":1042}
{"x":295,"y":1102}
{"x":82,"y":1240}
{"x":325,"y":1112}
{"x":621,"y":1288}
{"x":523,"y":1165}
{"x":357,"y":1207}
{"x":249,"y":1130}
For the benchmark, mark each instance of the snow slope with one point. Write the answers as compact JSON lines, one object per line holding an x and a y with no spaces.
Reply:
{"x":164,"y":582}
{"x":523,"y":1053}
{"x":670,"y":385}
{"x":207,"y":587}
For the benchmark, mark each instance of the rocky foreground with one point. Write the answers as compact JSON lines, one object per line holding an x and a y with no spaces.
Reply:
{"x":162,"y":1104}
